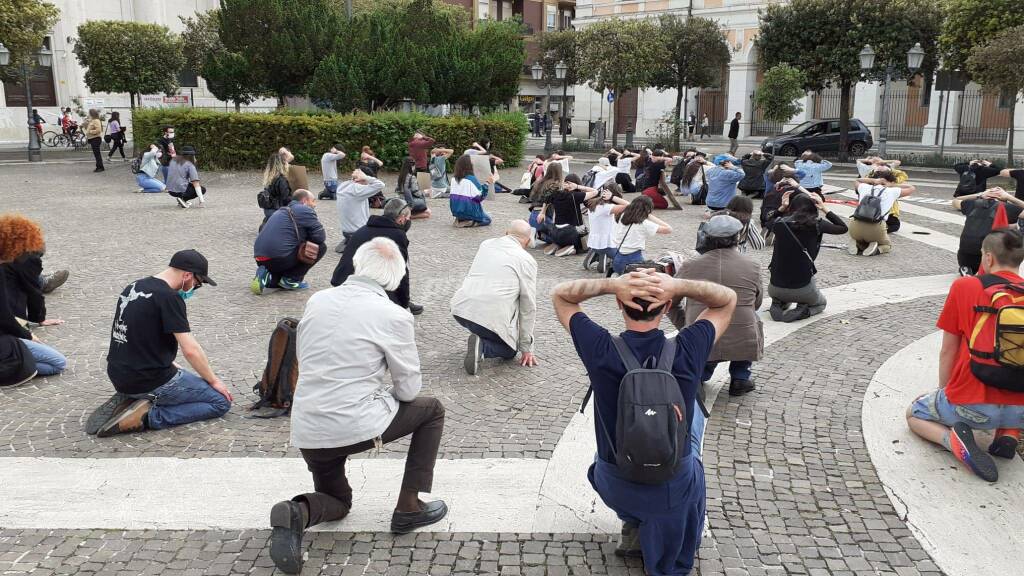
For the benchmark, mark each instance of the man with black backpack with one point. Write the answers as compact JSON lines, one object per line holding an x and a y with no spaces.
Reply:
{"x":974,"y":176}
{"x":985,"y":211}
{"x":868,"y":232}
{"x":648,"y":467}
{"x":981,"y":367}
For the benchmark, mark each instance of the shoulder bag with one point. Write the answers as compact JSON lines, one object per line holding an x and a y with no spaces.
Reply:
{"x":814,"y":269}
{"x":307,"y":252}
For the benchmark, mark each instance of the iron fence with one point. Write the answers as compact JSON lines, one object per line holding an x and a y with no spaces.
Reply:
{"x":759,"y":126}
{"x":711,"y":103}
{"x":906,"y":118}
{"x":983,"y":119}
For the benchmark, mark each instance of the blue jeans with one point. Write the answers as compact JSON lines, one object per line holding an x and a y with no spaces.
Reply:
{"x":332,"y":187}
{"x":621,"y":260}
{"x":148,"y":183}
{"x":934,"y":406}
{"x":184,"y":398}
{"x":738,"y":370}
{"x":163,"y":172}
{"x":491,"y":345}
{"x":48,"y":360}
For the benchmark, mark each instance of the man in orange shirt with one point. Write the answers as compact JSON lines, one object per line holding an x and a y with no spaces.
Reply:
{"x":962,"y":404}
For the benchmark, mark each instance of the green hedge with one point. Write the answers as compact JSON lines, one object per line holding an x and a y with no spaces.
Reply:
{"x":245,"y":140}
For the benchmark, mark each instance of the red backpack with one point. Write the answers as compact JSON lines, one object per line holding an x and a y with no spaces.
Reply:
{"x":997,"y":341}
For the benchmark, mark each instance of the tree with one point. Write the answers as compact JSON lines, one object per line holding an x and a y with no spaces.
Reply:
{"x":697,"y":51}
{"x":491,"y":63}
{"x":228,"y":74}
{"x":828,"y":52}
{"x":778,"y":96}
{"x":129,"y":57}
{"x":562,"y":46}
{"x":23,"y":25}
{"x":282,"y":40}
{"x":619,"y":55}
{"x":970,"y":23}
{"x":996,"y":64}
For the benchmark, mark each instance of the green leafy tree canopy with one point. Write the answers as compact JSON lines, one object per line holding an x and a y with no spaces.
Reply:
{"x":228,"y":74}
{"x":129,"y":57}
{"x":619,"y":54}
{"x":997,"y":64}
{"x":778,"y":96}
{"x":970,"y":23}
{"x":23,"y":25}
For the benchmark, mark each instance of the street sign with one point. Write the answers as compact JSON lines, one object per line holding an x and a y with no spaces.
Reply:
{"x":611,"y":96}
{"x":951,"y":81}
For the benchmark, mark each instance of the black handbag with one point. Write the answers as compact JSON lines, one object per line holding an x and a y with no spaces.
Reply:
{"x":16,"y":362}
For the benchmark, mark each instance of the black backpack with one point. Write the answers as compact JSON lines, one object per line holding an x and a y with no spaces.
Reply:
{"x":651,"y":429}
{"x":701,"y":197}
{"x":136,"y":165}
{"x":869,"y":208}
{"x":978,"y":225}
{"x":588,"y":179}
{"x":281,"y":374}
{"x":967,"y":184}
{"x":677,"y":173}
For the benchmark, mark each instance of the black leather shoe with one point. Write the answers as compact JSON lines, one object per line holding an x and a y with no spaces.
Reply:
{"x":416,"y":309}
{"x":286,"y":539}
{"x":740,"y":387}
{"x":430,"y":512}
{"x":114,"y":405}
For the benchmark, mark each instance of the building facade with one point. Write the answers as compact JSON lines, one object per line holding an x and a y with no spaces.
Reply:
{"x":917,"y":112}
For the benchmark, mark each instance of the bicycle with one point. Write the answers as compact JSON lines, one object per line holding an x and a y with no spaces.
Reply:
{"x":75,"y":140}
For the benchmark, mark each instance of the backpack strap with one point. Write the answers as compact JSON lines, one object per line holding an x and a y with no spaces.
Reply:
{"x":668,"y":355}
{"x":989,"y":280}
{"x":626,"y":355}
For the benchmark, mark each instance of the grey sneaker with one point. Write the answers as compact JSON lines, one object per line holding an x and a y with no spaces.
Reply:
{"x":872,"y":249}
{"x":55,"y":280}
{"x":851,"y":248}
{"x":472,"y":360}
{"x":340,"y":248}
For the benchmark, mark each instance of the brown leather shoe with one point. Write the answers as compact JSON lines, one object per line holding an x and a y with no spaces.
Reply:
{"x":132,"y":419}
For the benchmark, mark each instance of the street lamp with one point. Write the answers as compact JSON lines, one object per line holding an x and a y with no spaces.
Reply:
{"x":45,"y":58}
{"x":915,"y":57}
{"x":537,"y":71}
{"x":560,"y":70}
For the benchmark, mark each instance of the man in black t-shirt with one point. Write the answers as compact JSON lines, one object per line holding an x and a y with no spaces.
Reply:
{"x":150,"y":322}
{"x":667,"y":536}
{"x":1018,"y":177}
{"x":979,"y":223}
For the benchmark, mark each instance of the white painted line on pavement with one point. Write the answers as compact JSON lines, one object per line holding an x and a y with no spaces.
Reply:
{"x":969,"y":527}
{"x":924,"y":235}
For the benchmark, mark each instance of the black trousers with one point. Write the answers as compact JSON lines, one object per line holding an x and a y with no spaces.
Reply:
{"x":625,"y":182}
{"x":970,"y":261}
{"x":116,"y":143}
{"x":94,"y":143}
{"x":290,"y":267}
{"x":423,"y":418}
{"x":189,"y":193}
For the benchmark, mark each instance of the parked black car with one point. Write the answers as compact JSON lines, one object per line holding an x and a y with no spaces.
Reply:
{"x":820,"y":136}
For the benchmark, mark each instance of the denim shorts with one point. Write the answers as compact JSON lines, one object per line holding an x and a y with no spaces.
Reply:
{"x":935,"y":407}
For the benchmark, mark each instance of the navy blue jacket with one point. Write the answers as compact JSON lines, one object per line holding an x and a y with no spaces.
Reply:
{"x":278,"y":239}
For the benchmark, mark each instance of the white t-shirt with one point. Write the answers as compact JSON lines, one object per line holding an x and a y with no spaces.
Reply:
{"x":625,"y":165}
{"x":636,"y":239}
{"x":604,"y":176}
{"x":889,"y":195}
{"x":601,"y":224}
{"x":329,"y":165}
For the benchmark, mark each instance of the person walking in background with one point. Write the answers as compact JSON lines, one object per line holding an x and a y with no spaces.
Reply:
{"x":94,"y":136}
{"x":275,"y":183}
{"x":813,"y":166}
{"x":281,"y":241}
{"x":705,"y":127}
{"x":329,"y":169}
{"x":166,"y":143}
{"x":115,"y":135}
{"x":734,"y":133}
{"x":497,"y":301}
{"x":149,"y":167}
{"x":183,"y":179}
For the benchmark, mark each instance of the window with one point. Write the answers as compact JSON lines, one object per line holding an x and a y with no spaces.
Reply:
{"x":40,"y":81}
{"x":483,"y":9}
{"x":551,"y":18}
{"x":506,"y":10}
{"x":1006,"y":98}
{"x":833,"y":127}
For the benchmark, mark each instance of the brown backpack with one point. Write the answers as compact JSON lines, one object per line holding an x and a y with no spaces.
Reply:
{"x":277,"y":386}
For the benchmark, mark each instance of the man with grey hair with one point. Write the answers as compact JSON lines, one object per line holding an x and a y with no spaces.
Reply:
{"x":345,"y":402}
{"x":497,"y":302}
{"x":393,"y":224}
{"x":354,"y":204}
{"x":277,"y":245}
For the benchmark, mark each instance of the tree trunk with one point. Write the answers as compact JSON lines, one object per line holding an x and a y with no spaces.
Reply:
{"x":280,"y":100}
{"x":844,"y":118}
{"x":238,"y":106}
{"x":1009,"y":144}
{"x":612,"y":119}
{"x":678,"y":115}
{"x":131,"y":100}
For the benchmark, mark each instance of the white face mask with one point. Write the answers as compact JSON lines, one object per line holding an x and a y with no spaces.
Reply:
{"x":170,"y":135}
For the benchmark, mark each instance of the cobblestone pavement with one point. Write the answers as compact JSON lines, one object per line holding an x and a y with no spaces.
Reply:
{"x":790,"y":484}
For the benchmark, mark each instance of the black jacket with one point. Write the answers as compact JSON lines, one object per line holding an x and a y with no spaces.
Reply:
{"x":280,"y":191}
{"x":376,"y":227}
{"x":8,"y":325}
{"x":24,"y":294}
{"x":734,"y":128}
{"x":753,"y":172}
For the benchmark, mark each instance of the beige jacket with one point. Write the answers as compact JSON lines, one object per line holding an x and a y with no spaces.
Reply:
{"x":93,"y":129}
{"x":500,"y":292}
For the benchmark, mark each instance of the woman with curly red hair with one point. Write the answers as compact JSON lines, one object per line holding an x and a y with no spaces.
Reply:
{"x":22,"y":354}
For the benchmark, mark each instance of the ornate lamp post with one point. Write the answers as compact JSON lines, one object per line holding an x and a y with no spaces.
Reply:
{"x":560,"y":71}
{"x":537,"y":71}
{"x":915,"y":57}
{"x":45,"y":58}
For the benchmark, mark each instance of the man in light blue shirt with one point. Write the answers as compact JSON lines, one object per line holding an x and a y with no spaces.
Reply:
{"x":353,"y":204}
{"x":813,"y":165}
{"x":722,"y":180}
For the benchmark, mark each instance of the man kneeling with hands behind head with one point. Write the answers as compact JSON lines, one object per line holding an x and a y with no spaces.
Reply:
{"x":662,"y":522}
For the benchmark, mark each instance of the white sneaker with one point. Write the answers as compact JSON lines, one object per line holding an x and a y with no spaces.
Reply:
{"x":566,"y":251}
{"x":550,"y":249}
{"x":183,"y":203}
{"x":872,"y":249}
{"x":140,"y":191}
{"x":852,"y":249}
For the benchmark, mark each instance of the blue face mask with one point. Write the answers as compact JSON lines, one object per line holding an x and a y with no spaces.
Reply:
{"x":186,"y":294}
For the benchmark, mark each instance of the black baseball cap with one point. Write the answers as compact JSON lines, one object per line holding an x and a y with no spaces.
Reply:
{"x":194,"y":262}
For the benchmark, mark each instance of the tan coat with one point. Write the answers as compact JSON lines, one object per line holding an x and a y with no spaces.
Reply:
{"x":744,"y":339}
{"x":93,"y":129}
